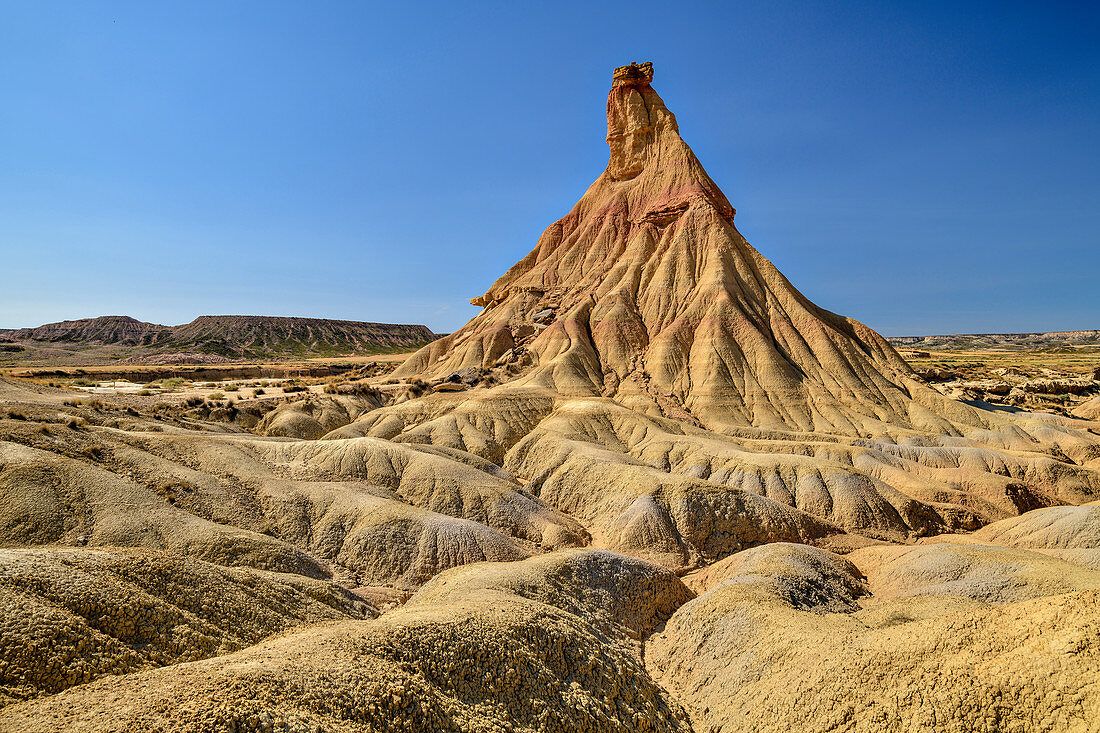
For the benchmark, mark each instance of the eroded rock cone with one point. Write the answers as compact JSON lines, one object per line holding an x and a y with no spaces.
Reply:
{"x":647,"y":290}
{"x":660,"y":376}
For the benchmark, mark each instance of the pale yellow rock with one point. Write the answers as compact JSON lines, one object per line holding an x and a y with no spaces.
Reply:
{"x":783,"y":645}
{"x":645,"y":303}
{"x":70,"y":615}
{"x":665,"y":404}
{"x":495,"y":656}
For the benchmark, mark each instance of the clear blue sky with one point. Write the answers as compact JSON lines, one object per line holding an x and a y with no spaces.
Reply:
{"x":924,"y":167}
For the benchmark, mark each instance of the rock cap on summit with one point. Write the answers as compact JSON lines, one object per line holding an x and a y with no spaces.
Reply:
{"x":633,"y":74}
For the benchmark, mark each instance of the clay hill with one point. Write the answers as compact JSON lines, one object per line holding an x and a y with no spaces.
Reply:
{"x":1049,"y":340}
{"x":259,"y":335}
{"x":227,"y":336}
{"x":122,"y":330}
{"x":650,"y":487}
{"x":647,"y":293}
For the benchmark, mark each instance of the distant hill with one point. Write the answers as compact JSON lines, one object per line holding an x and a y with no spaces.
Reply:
{"x":240,"y":337}
{"x":103,"y":330}
{"x":1049,"y":340}
{"x":272,"y":335}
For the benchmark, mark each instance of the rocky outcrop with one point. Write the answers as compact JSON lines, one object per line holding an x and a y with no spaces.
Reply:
{"x":659,"y":377}
{"x":647,"y":293}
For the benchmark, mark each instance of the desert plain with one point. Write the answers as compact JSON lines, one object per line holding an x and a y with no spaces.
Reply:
{"x":649,"y":487}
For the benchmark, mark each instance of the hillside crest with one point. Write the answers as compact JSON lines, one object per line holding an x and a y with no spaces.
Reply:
{"x":228,"y":335}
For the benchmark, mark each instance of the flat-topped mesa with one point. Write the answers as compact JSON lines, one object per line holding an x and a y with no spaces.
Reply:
{"x":634,"y":112}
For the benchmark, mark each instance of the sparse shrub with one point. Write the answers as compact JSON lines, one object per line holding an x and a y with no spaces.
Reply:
{"x":352,"y":388}
{"x":171,"y":383}
{"x":94,"y":451}
{"x":192,"y":402}
{"x":44,"y":430}
{"x":216,"y":396}
{"x":258,"y":391}
{"x":71,"y":403}
{"x":418,"y":386}
{"x":288,"y":388}
{"x":16,"y":415}
{"x":172,"y":490}
{"x":146,"y":393}
{"x":75,"y":423}
{"x":83,"y":382}
{"x":232,"y":387}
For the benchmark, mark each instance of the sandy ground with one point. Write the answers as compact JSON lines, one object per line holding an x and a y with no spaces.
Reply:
{"x":283,"y":366}
{"x":367,"y":359}
{"x":1080,"y":361}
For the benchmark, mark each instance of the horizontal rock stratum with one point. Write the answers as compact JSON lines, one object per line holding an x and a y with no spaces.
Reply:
{"x":649,"y":487}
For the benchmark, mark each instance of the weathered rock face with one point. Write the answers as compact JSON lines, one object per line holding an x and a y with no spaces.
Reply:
{"x":633,"y":112}
{"x":647,"y":297}
{"x":647,"y":291}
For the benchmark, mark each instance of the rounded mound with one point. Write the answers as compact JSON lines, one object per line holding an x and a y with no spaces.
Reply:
{"x":70,"y":615}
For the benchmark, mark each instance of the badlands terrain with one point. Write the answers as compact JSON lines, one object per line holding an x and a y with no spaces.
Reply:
{"x":205,"y":340}
{"x":649,"y":487}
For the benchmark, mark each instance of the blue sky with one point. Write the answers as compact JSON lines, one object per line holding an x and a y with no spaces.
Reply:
{"x":924,"y":167}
